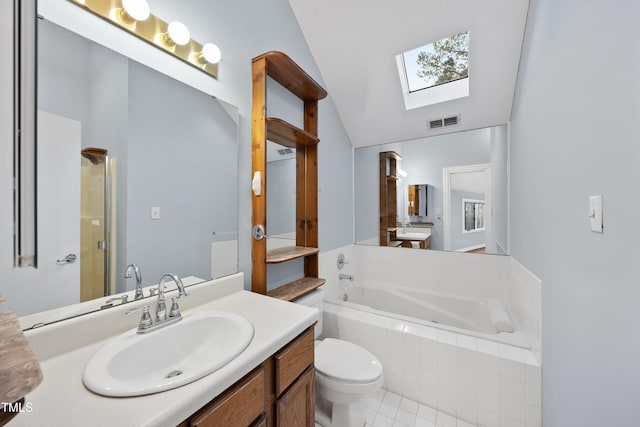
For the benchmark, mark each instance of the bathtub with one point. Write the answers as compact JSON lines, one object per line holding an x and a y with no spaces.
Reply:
{"x":442,"y":311}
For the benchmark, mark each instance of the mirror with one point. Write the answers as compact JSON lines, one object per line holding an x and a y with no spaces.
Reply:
{"x":281,"y":203}
{"x":162,"y":154}
{"x":435,"y":179}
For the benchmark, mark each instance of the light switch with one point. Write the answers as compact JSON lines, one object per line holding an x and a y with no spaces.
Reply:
{"x":155,"y":213}
{"x":595,"y":213}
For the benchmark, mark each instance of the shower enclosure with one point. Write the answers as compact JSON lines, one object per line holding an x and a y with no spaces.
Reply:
{"x":97,"y":228}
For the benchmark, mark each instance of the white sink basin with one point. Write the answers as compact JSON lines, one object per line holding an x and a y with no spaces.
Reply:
{"x":197,"y":345}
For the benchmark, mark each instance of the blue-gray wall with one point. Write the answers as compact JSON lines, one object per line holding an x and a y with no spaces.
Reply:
{"x":182,"y":156}
{"x":574,"y":133}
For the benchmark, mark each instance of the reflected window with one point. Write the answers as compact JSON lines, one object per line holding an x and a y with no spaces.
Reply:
{"x":473,"y":215}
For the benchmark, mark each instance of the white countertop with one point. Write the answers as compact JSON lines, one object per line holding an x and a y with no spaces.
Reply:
{"x":413,"y":235}
{"x":62,"y":399}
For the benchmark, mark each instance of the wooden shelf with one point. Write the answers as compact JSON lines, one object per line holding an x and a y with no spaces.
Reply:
{"x":395,"y":244}
{"x":288,"y":135}
{"x":286,"y":72}
{"x":296,"y":289}
{"x":278,"y":255}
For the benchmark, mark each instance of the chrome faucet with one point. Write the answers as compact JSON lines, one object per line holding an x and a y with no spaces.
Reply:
{"x":138,"y":274}
{"x":146,"y":324}
{"x":348,"y":277}
{"x":161,"y":308}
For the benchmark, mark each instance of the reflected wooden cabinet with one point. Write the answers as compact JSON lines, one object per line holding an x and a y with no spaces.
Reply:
{"x":388,"y":198}
{"x":278,"y":393}
{"x":287,"y":73}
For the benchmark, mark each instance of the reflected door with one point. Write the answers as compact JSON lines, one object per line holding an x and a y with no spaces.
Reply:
{"x":58,"y":210}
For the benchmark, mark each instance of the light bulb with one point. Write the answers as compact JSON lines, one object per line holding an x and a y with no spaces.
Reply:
{"x":137,"y":9}
{"x":211,"y":53}
{"x":179,"y":33}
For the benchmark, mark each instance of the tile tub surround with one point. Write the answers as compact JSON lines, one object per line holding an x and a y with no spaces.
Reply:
{"x":481,"y":382}
{"x":475,"y":276}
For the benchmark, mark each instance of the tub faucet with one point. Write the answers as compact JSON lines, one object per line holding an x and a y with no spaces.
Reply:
{"x":343,"y":276}
{"x":138,"y":274}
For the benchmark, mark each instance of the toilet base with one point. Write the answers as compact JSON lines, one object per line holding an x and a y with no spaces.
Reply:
{"x":330,"y":414}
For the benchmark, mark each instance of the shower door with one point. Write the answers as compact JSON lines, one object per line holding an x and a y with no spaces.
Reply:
{"x":94,"y":224}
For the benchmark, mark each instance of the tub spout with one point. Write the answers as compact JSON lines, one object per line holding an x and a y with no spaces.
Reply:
{"x":343,"y":276}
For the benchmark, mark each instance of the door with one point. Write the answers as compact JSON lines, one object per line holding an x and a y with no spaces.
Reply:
{"x":58,"y":223}
{"x":58,"y":213}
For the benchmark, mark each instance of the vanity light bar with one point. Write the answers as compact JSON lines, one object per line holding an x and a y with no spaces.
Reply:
{"x":173,"y":38}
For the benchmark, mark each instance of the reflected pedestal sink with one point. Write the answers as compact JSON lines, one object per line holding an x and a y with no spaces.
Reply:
{"x":199,"y":344}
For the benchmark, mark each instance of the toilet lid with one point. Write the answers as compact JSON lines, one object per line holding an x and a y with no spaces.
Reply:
{"x":346,"y":361}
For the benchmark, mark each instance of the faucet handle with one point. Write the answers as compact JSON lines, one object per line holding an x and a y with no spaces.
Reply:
{"x":145,"y":319}
{"x":175,"y":309}
{"x":341,"y":261}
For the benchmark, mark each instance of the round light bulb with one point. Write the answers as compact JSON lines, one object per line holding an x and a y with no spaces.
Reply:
{"x":179,"y":33}
{"x":211,"y":53}
{"x":137,"y":9}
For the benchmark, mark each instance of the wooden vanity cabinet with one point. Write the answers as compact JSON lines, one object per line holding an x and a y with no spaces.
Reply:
{"x":278,"y":393}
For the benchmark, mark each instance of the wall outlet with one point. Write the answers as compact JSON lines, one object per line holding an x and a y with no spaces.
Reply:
{"x":155,"y":213}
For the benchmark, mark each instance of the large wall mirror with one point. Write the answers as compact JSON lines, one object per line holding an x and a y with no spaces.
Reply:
{"x":452,"y":188}
{"x":133,"y":167}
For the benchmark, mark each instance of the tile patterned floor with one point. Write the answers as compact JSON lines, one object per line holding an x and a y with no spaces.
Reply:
{"x":387,"y":409}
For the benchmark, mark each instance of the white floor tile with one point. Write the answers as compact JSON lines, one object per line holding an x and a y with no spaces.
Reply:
{"x":392,"y":398}
{"x":445,"y":420}
{"x":427,"y":413}
{"x":382,"y":421}
{"x":405,"y":418}
{"x":409,"y":405}
{"x":422,"y":422}
{"x":388,"y":410}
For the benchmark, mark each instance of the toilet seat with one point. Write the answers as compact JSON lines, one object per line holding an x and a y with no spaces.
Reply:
{"x":346,"y":362}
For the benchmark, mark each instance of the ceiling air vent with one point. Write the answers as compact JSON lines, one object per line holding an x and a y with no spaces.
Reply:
{"x":450,"y":121}
{"x":285,"y":151}
{"x":434,"y":124}
{"x":447,"y":121}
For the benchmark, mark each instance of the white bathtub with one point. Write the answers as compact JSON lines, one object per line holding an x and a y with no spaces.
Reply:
{"x":448,"y":312}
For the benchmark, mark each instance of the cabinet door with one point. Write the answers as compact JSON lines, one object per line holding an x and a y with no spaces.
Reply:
{"x":296,"y":407}
{"x":238,"y":406}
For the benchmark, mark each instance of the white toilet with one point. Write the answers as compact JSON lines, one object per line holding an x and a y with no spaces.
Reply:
{"x":345,"y":373}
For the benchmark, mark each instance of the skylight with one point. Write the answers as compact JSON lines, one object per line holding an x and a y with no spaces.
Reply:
{"x":442,"y":67}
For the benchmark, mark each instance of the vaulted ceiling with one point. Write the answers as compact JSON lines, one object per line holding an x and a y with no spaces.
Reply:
{"x":355,"y":42}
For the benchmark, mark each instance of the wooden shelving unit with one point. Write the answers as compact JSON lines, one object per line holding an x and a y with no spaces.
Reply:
{"x":283,"y":70}
{"x":296,"y":289}
{"x":276,"y":256}
{"x":388,"y":197}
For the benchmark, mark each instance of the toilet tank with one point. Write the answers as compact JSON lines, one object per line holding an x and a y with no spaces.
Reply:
{"x":314,"y":299}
